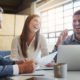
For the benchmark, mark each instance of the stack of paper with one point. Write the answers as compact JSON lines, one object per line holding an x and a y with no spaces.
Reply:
{"x":47,"y":59}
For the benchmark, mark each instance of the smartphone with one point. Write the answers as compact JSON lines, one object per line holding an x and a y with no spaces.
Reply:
{"x":39,"y":78}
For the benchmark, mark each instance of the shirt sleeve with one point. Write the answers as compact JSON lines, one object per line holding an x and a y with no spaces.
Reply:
{"x":15,"y":69}
{"x":6,"y":70}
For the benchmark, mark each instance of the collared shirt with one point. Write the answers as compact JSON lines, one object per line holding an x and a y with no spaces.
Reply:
{"x":71,"y":40}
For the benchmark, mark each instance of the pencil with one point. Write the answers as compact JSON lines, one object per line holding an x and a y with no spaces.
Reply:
{"x":32,"y":75}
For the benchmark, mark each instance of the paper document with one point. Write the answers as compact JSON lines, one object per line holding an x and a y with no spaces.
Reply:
{"x":47,"y":59}
{"x":43,"y":68}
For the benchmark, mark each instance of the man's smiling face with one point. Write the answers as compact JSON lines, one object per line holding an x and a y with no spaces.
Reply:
{"x":76,"y":24}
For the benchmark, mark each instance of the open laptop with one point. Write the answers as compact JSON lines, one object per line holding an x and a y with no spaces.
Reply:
{"x":69,"y":54}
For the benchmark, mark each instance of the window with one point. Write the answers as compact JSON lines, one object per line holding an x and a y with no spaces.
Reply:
{"x":57,"y":19}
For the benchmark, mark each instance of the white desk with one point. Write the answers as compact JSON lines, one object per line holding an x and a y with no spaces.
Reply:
{"x":72,"y":75}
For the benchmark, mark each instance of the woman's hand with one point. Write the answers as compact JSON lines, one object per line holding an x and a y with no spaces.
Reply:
{"x":50,"y":64}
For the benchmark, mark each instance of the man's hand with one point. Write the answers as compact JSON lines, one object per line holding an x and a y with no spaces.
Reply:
{"x":62,"y":37}
{"x":27,"y":67}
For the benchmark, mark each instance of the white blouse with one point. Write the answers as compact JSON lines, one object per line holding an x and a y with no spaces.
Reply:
{"x":40,"y":51}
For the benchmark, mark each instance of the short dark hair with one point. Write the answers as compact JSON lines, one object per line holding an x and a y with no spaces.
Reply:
{"x":77,"y":13}
{"x":1,"y":9}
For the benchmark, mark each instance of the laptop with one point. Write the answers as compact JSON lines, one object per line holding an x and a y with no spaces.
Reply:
{"x":69,"y":54}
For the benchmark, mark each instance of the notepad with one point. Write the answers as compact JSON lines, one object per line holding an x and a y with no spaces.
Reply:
{"x":47,"y":59}
{"x":43,"y":68}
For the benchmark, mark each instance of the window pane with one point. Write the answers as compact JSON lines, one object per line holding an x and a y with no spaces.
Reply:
{"x":68,"y":26}
{"x":76,"y":8}
{"x":51,"y":20}
{"x":77,"y":3}
{"x":44,"y":25}
{"x":59,"y":9}
{"x":51,"y":35}
{"x":68,"y":19}
{"x":46,"y":35}
{"x":56,"y":39}
{"x":51,"y":28}
{"x":44,"y":19}
{"x":58,"y":34}
{"x":51,"y":44}
{"x":68,"y":12}
{"x":59,"y":27}
{"x":47,"y":40}
{"x":59,"y":20}
{"x":68,"y":6}
{"x":44,"y":14}
{"x":51,"y":12}
{"x":51,"y":17}
{"x":44,"y":30}
{"x":59,"y":14}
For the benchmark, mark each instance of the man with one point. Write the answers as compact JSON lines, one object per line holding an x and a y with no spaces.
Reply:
{"x":75,"y":37}
{"x":9,"y":67}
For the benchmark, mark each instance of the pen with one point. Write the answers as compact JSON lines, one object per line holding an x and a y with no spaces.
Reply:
{"x":33,"y":75}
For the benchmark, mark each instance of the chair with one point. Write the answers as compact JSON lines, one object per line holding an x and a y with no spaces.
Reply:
{"x":5,"y":54}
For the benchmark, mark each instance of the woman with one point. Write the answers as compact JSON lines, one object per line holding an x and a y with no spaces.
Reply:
{"x":9,"y":67}
{"x":30,"y":44}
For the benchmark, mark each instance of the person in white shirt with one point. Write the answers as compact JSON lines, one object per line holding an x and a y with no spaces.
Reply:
{"x":9,"y":67}
{"x":30,"y":44}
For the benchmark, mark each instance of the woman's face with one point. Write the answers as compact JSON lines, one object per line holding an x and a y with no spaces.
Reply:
{"x":34,"y":25}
